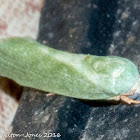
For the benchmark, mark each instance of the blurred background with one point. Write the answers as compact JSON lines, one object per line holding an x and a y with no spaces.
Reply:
{"x":17,"y":18}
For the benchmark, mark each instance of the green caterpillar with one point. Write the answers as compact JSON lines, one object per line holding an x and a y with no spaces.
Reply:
{"x":80,"y":76}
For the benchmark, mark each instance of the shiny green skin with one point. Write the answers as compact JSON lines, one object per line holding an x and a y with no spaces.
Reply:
{"x":80,"y":76}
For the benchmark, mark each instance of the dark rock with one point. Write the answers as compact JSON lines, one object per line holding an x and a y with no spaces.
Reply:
{"x":126,"y":34}
{"x":78,"y":26}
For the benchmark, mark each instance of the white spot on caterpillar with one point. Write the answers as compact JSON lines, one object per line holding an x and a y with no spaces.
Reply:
{"x":115,"y":75}
{"x":45,"y":50}
{"x":25,"y":54}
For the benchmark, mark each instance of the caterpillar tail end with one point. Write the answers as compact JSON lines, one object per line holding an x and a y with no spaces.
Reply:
{"x":126,"y":100}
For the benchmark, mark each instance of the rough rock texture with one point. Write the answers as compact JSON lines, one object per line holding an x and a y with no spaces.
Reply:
{"x":78,"y":26}
{"x":74,"y":119}
{"x":126,"y":34}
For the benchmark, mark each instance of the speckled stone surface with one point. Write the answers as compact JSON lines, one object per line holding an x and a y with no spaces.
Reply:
{"x":78,"y":26}
{"x":126,"y":34}
{"x":39,"y":113}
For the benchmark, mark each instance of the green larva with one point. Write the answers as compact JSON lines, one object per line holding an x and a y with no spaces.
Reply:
{"x":80,"y":76}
